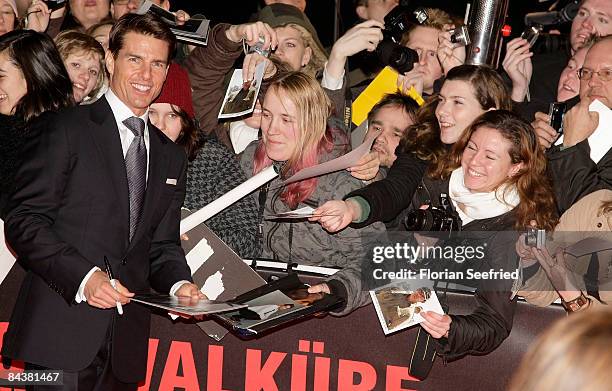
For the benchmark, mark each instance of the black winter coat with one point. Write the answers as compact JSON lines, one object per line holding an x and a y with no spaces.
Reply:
{"x":575,"y":175}
{"x":490,"y":322}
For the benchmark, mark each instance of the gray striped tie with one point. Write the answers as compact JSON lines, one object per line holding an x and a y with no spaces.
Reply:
{"x":136,"y":169}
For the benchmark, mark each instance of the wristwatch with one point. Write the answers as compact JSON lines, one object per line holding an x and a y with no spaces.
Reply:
{"x":576,"y":304}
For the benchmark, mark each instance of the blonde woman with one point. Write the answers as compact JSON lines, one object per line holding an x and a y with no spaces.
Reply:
{"x":83,"y":58}
{"x":295,"y":136}
{"x":574,"y":354}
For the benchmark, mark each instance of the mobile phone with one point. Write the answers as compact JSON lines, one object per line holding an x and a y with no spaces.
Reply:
{"x":531,"y":34}
{"x":55,"y":4}
{"x":556,"y":112}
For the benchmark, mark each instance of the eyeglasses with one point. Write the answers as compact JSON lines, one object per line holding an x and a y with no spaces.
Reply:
{"x":587,"y":74}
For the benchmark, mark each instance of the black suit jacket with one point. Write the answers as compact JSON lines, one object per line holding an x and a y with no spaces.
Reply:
{"x":69,"y":210}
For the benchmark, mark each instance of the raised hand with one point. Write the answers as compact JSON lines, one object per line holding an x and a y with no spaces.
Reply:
{"x":517,"y":64}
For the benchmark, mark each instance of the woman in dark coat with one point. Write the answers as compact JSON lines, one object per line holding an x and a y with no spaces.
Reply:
{"x":33,"y":81}
{"x":495,"y":179}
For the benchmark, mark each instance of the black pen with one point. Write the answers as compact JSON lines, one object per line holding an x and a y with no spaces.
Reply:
{"x":109,"y":273}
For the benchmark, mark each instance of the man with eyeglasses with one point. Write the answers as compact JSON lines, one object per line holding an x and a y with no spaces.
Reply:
{"x":572,"y":170}
{"x":594,"y":17}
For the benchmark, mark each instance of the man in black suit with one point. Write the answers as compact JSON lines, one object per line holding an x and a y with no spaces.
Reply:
{"x":99,"y":181}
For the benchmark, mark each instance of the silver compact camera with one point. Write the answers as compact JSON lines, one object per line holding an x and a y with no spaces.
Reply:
{"x":535,"y":237}
{"x":258,"y":48}
{"x":460,"y":36}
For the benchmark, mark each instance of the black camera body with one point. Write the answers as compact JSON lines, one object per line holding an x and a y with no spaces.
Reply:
{"x":389,"y":50}
{"x":55,"y":4}
{"x":442,"y":218}
{"x":556,"y":111}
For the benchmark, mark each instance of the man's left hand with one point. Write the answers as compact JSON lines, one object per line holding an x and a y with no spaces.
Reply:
{"x":190,"y":290}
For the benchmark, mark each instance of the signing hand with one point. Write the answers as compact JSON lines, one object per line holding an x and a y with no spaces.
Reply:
{"x":100,"y":293}
{"x":435,"y":324}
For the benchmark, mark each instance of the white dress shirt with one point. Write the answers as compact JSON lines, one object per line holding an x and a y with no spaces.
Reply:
{"x":121,"y":112}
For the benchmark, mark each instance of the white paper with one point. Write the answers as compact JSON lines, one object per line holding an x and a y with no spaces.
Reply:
{"x":227,"y":199}
{"x":213,"y":286}
{"x":340,"y":163}
{"x":396,"y":312}
{"x":198,"y":255}
{"x":7,"y":260}
{"x":358,"y":134}
{"x":600,"y":141}
{"x":301,"y":213}
{"x":234,"y":104}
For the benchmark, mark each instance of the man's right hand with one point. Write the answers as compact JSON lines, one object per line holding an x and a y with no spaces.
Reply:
{"x":336,"y":214}
{"x":579,"y":123}
{"x":100,"y":293}
{"x":546,"y":133}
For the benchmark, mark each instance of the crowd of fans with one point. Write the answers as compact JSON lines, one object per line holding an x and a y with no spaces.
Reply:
{"x":482,"y":137}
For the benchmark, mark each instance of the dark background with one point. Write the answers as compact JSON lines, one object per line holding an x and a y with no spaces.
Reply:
{"x":321,"y":12}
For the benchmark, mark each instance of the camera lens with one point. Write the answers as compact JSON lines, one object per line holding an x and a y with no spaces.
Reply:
{"x":414,"y":220}
{"x":398,"y":57}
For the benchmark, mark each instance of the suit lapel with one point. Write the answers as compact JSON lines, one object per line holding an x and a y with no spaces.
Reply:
{"x":158,"y":162}
{"x":106,"y":136}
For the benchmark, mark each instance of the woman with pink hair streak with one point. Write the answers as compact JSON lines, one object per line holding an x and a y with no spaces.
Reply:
{"x":295,"y":136}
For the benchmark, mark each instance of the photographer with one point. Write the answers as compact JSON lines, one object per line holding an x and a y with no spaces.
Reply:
{"x":495,"y":178}
{"x":551,"y":273}
{"x":437,"y":55}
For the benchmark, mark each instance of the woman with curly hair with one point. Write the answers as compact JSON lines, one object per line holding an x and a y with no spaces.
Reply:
{"x":495,"y":180}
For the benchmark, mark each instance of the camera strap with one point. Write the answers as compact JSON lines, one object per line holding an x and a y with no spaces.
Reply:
{"x":425,"y":346}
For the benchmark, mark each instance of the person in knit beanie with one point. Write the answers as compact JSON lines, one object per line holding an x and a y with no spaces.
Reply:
{"x":172,"y":111}
{"x":212,"y":170}
{"x":298,"y":42}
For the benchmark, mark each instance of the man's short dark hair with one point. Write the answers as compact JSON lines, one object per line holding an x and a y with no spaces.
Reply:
{"x":409,"y":105}
{"x":146,"y":24}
